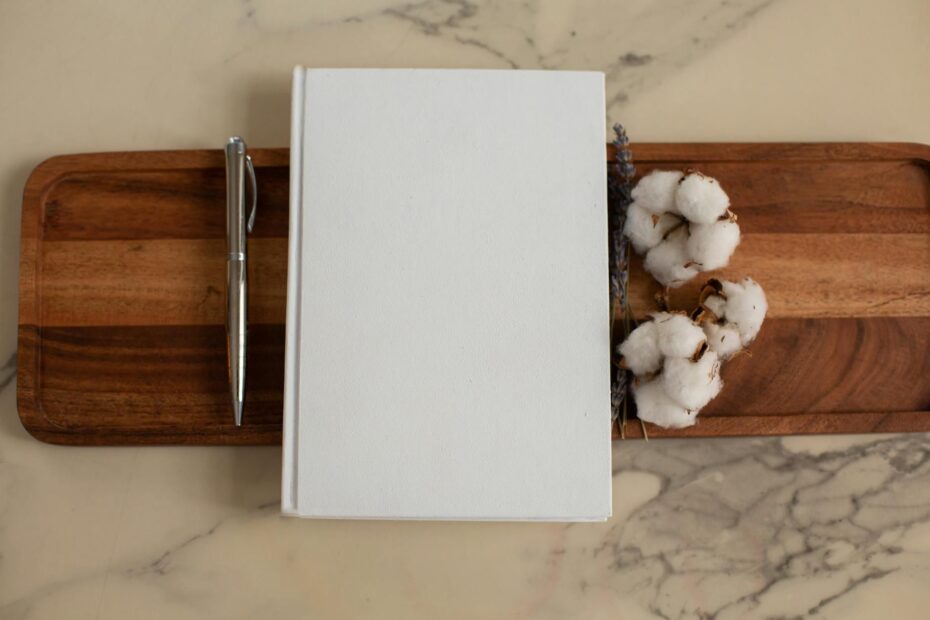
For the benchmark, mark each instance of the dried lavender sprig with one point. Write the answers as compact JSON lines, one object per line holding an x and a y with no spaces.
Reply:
{"x":620,"y":184}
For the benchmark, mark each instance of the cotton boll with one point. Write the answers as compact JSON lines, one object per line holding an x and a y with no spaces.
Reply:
{"x":700,"y":199}
{"x":678,"y":336}
{"x":669,"y":262}
{"x":712,"y":245}
{"x":646,"y":229}
{"x":692,"y":384}
{"x":655,"y":192}
{"x":640,"y":350}
{"x":717,"y":305}
{"x":654,"y":405}
{"x":724,"y":340}
{"x":746,"y":307}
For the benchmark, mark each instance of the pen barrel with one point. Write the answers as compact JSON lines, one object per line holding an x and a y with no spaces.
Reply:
{"x":236,"y":321}
{"x":236,"y":226}
{"x":236,"y":273}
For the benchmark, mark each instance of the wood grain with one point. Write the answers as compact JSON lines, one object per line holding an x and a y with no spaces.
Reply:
{"x":810,"y":275}
{"x":173,"y":281}
{"x":122,"y":275}
{"x":156,"y":384}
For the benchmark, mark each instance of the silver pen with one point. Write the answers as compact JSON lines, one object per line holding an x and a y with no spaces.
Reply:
{"x":237,"y":227}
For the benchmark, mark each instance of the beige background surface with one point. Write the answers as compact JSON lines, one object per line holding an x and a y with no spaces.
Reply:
{"x":834,"y":527}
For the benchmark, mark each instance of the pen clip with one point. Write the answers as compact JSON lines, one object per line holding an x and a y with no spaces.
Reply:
{"x":251,"y":170}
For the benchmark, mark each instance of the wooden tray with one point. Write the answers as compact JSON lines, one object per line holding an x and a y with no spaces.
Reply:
{"x":122,"y":273}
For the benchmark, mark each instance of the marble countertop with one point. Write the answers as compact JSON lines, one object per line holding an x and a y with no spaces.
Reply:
{"x":829,"y":527}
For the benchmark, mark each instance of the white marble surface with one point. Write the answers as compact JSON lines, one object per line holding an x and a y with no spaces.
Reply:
{"x":829,"y":527}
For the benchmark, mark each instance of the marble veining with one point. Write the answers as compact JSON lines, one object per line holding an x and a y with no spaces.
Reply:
{"x":618,"y":40}
{"x":757,"y":530}
{"x":707,"y":530}
{"x":819,"y":527}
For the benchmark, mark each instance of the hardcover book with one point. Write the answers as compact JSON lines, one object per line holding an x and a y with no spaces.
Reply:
{"x":448,"y":307}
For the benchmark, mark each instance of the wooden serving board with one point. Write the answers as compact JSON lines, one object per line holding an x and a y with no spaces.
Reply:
{"x":122,"y":272}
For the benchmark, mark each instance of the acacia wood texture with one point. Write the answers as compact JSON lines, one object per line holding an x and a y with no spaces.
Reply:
{"x":122,"y":275}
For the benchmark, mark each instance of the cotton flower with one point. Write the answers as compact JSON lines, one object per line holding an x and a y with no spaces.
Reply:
{"x":724,"y":339}
{"x":700,"y":199}
{"x":678,"y":336}
{"x":654,"y":405}
{"x":682,"y":225}
{"x":646,"y":229}
{"x":692,"y":384}
{"x":711,"y":245}
{"x":655,"y":192}
{"x":676,"y":358}
{"x":717,"y":305}
{"x":640,"y":350}
{"x":737,"y":311}
{"x":669,"y":262}
{"x":746,"y":307}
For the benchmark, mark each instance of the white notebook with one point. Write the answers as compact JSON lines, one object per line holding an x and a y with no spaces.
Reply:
{"x":447,"y":315}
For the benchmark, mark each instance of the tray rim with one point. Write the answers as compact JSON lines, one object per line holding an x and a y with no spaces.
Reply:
{"x":47,"y":174}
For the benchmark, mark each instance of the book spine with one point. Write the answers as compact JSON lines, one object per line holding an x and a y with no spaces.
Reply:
{"x":292,"y":331}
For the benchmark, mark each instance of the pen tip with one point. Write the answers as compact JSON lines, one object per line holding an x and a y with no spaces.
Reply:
{"x":237,"y":412}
